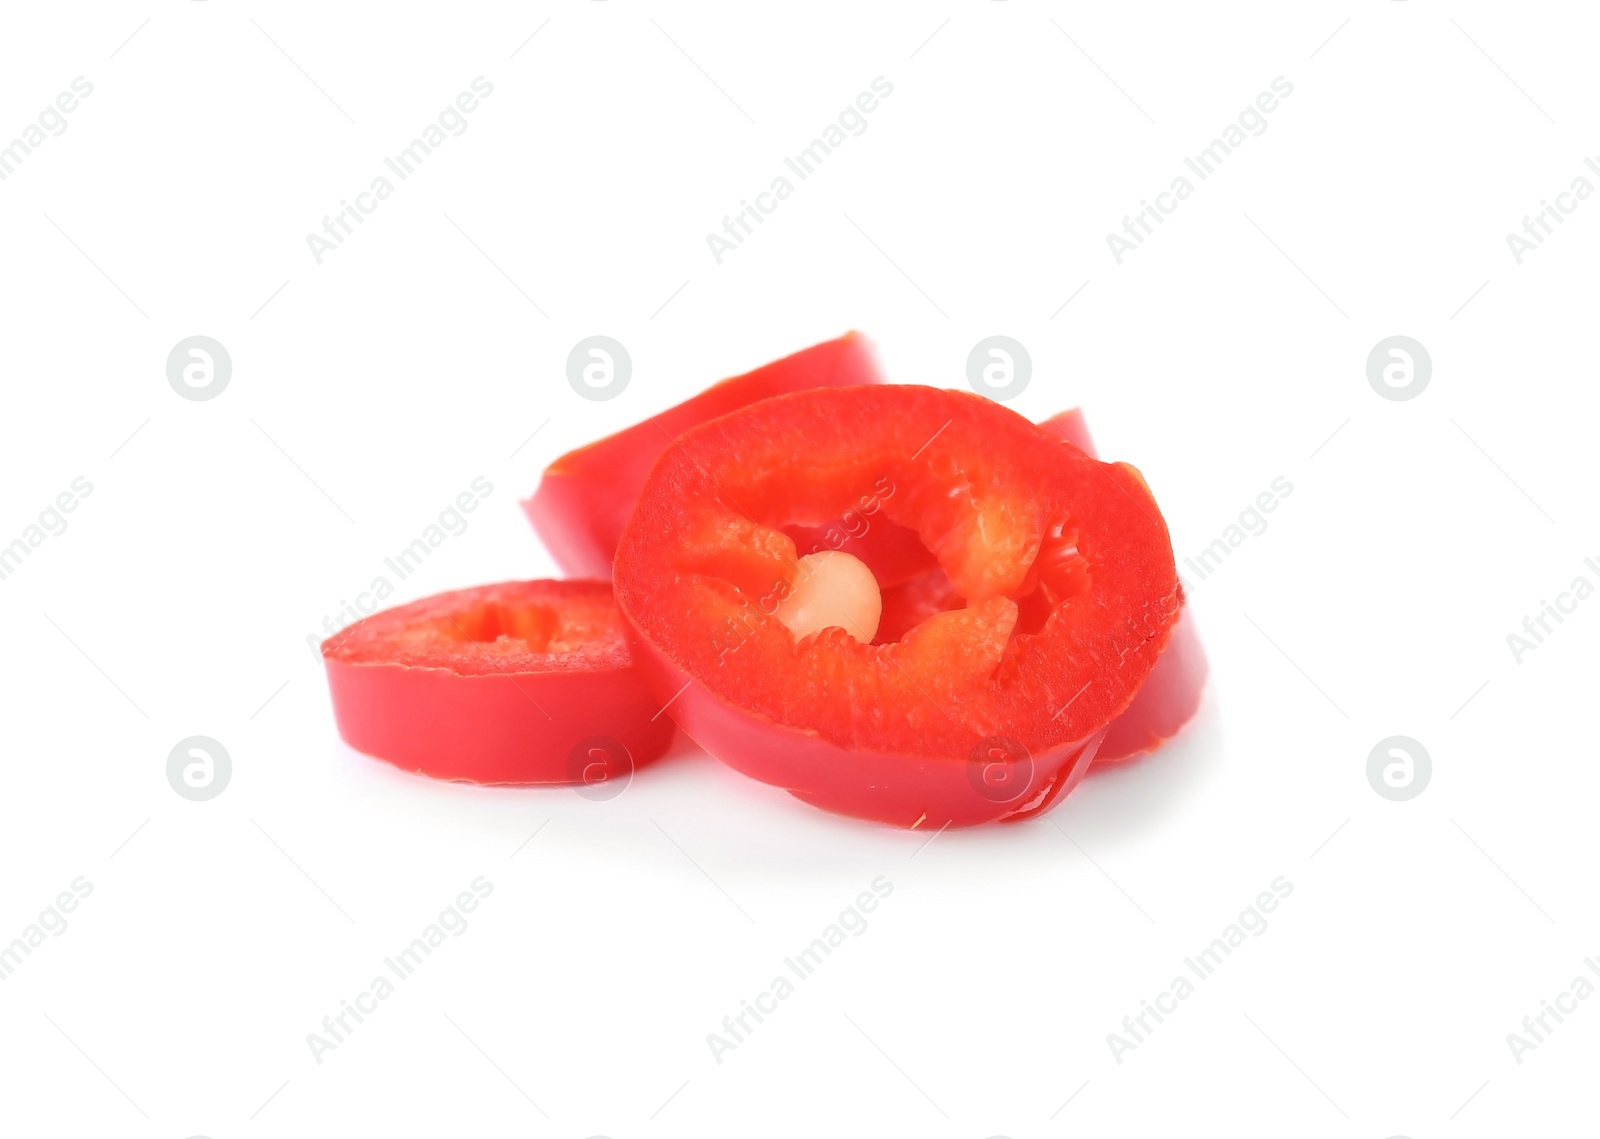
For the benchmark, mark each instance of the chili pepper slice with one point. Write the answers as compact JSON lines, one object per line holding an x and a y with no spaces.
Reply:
{"x":519,"y":682}
{"x":990,"y":711}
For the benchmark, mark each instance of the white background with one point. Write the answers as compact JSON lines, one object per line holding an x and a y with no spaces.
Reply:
{"x":369,"y":390}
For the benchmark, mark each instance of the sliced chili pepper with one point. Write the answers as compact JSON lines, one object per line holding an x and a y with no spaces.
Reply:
{"x":584,"y":499}
{"x":990,"y":711}
{"x":1170,"y":695}
{"x":520,"y":682}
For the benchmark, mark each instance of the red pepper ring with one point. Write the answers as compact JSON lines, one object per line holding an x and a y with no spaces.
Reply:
{"x":991,"y":711}
{"x":520,"y":682}
{"x":584,"y":499}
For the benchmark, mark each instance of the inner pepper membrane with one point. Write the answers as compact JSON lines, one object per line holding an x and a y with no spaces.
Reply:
{"x":1035,"y":597}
